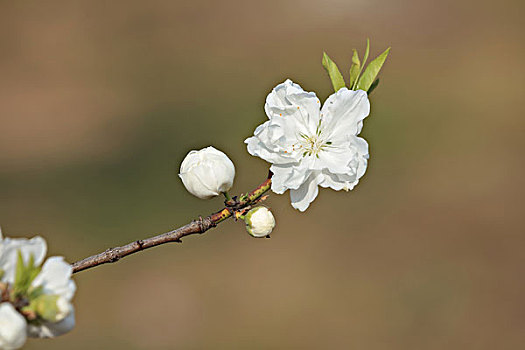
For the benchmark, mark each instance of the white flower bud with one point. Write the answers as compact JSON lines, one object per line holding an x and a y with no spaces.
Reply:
{"x":207,"y":173}
{"x":259,"y":222}
{"x":12,"y":328}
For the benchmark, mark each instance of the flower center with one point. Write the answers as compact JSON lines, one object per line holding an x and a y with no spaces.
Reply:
{"x":311,"y":145}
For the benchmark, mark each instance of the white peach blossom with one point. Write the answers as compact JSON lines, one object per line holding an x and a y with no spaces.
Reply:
{"x":309,"y":146}
{"x":53,"y":281}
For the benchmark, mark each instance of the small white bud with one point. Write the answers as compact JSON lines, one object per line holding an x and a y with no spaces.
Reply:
{"x":207,"y":173}
{"x":259,"y":222}
{"x":12,"y":328}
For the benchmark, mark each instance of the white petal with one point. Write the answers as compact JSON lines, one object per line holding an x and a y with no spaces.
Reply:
{"x":266,"y":146}
{"x":51,"y":330}
{"x":9,"y":248}
{"x":191,"y":158}
{"x":304,"y":195}
{"x":288,"y":176}
{"x":288,"y":100}
{"x":196,"y":187}
{"x":65,"y":308}
{"x":337,"y":182}
{"x":12,"y":328}
{"x":334,"y":159}
{"x":278,"y":98}
{"x":356,"y":168}
{"x":343,"y":112}
{"x":224,"y":173}
{"x":55,"y":277}
{"x":257,"y":148}
{"x":205,"y":173}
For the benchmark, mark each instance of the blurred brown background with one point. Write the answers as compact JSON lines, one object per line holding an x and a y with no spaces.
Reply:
{"x":100,"y":101}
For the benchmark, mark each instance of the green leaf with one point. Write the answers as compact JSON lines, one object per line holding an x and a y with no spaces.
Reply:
{"x":373,"y":86}
{"x":370,"y":73}
{"x":367,"y":51}
{"x":24,"y":275}
{"x":355,"y":68}
{"x":335,"y":75}
{"x":35,"y":292}
{"x":19,"y":270}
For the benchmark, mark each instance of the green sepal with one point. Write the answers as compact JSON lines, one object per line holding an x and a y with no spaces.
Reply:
{"x":335,"y":75}
{"x":2,"y":273}
{"x":248,"y":217}
{"x":370,"y":73}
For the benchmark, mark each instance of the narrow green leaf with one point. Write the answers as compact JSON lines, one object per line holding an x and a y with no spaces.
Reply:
{"x":355,"y":68}
{"x":35,"y":292}
{"x":35,"y":270}
{"x":371,"y":71}
{"x":19,"y":270}
{"x":367,"y":51}
{"x":335,"y":75}
{"x":373,"y":86}
{"x":24,"y":274}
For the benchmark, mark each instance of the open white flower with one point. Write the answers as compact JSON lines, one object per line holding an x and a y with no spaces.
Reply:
{"x":310,"y":146}
{"x":53,"y":282}
{"x":12,"y":328}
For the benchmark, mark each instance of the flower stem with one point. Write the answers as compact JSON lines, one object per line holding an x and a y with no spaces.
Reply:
{"x":227,"y":196}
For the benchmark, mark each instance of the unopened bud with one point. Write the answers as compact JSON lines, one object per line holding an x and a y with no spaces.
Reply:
{"x":259,"y":222}
{"x":52,"y":308}
{"x":207,"y":173}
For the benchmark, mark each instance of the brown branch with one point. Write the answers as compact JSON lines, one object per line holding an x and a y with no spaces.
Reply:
{"x":200,"y":225}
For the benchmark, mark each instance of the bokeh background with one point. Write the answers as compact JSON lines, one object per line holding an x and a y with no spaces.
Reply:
{"x":100,"y":101}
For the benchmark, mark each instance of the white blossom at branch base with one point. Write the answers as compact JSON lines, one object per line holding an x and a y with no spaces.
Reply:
{"x":309,"y":146}
{"x":207,"y":173}
{"x":12,"y":328}
{"x":54,"y":280}
{"x":259,"y":222}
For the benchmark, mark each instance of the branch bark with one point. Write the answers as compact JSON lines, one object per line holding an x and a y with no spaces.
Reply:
{"x":201,"y":225}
